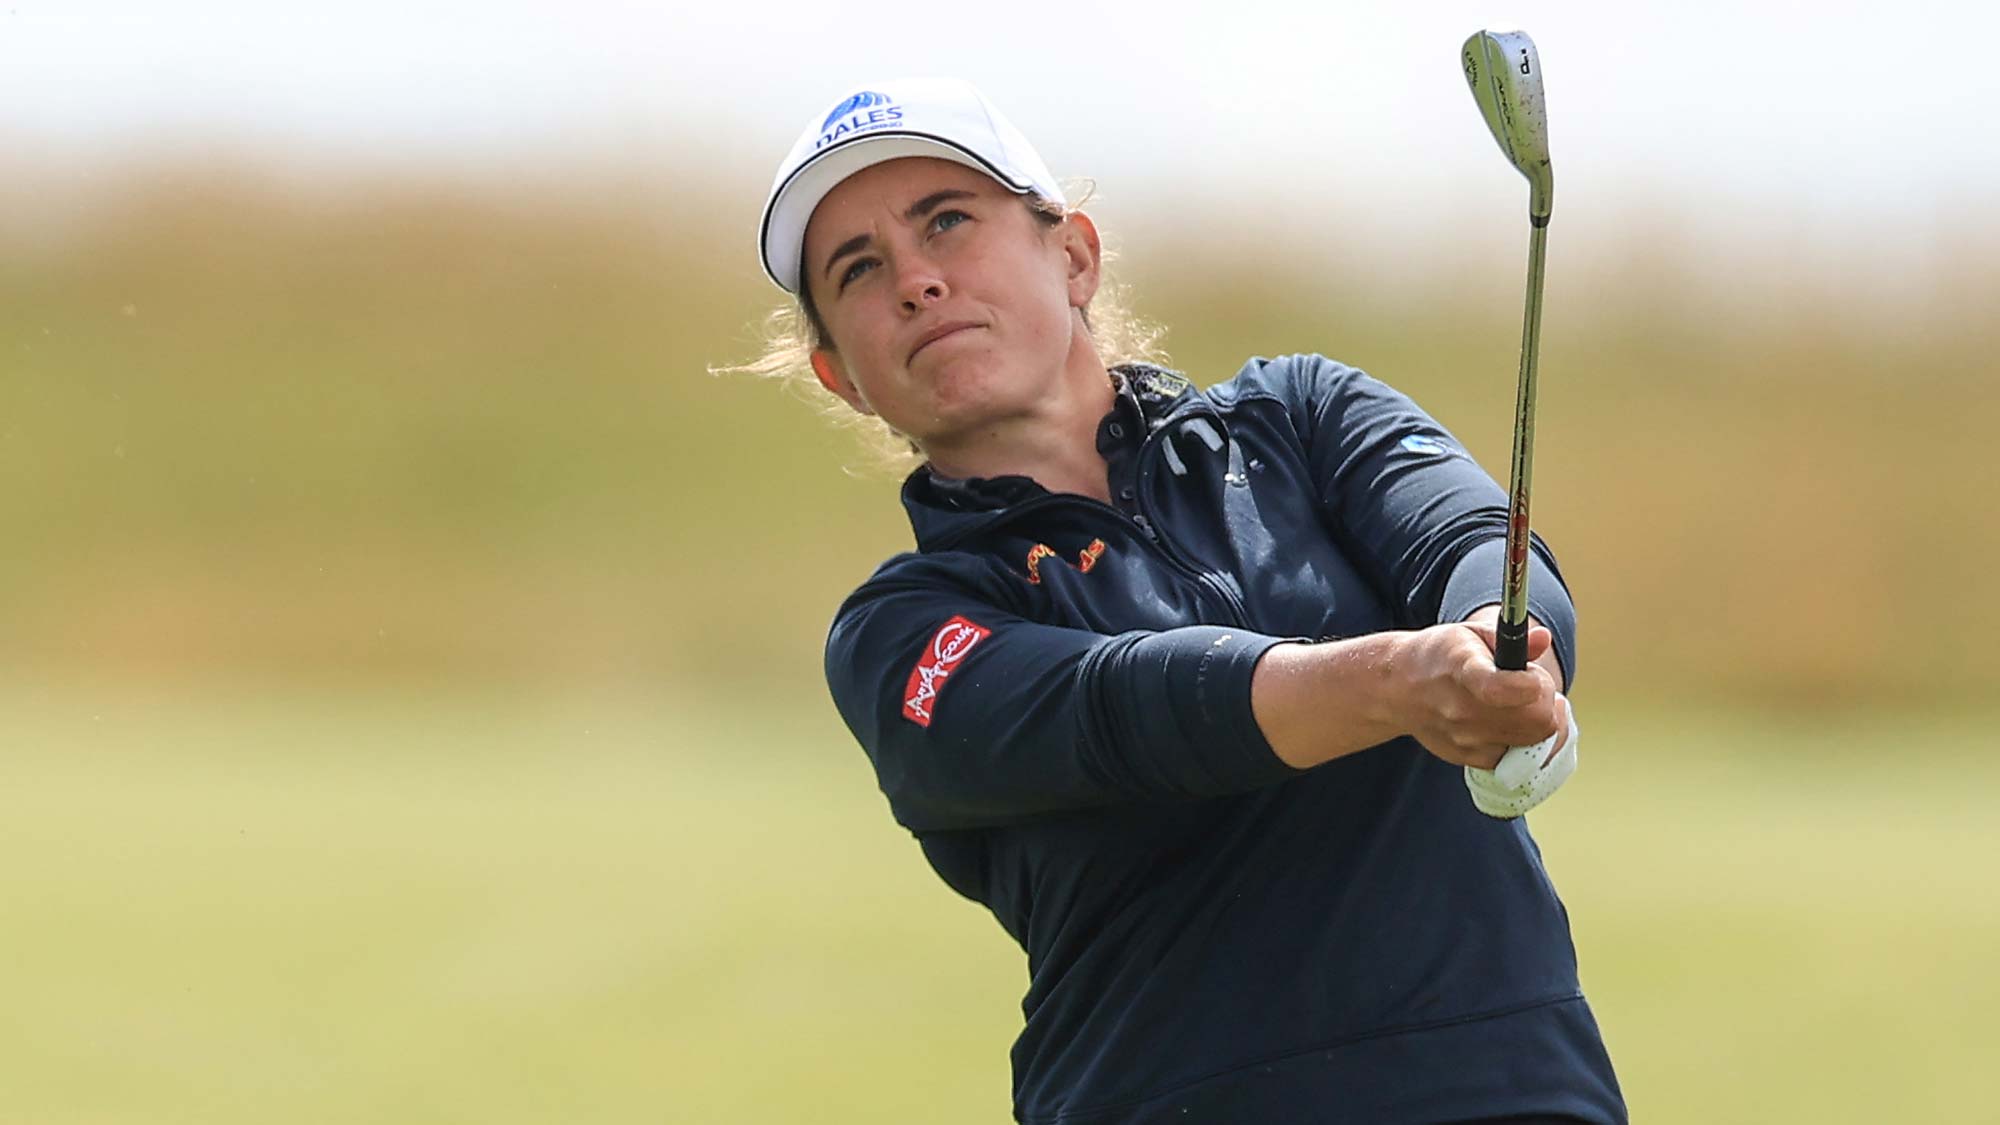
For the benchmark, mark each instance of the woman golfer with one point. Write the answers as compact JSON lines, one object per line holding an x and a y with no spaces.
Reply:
{"x":1181,"y":683}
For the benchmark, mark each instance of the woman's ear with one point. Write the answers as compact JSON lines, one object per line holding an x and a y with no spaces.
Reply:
{"x":833,"y":376}
{"x":1084,"y":255}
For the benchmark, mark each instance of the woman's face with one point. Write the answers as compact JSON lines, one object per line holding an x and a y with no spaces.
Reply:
{"x":952,"y":309}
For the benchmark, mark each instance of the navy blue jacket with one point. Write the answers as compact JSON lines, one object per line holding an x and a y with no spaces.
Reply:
{"x":1055,"y":694}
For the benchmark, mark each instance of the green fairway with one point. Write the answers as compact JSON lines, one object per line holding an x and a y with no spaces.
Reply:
{"x":253,"y":906}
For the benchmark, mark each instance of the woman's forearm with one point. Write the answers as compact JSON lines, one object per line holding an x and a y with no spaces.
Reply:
{"x":1318,"y":702}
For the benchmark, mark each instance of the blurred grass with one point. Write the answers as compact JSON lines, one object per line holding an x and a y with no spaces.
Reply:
{"x":254,"y":904}
{"x":386,"y":429}
{"x":242,"y":906}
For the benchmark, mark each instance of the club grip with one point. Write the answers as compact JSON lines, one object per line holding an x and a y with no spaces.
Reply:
{"x":1510,"y":654}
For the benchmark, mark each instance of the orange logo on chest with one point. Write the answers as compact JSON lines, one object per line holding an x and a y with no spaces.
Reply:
{"x":1085,"y":559}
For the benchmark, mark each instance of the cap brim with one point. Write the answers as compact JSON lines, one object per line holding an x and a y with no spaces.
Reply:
{"x":783,"y":233}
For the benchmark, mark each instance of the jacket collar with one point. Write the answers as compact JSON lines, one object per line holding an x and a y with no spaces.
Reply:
{"x":944,"y":510}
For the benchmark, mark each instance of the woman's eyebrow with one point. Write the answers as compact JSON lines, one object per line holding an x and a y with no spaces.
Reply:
{"x":843,"y":250}
{"x":930,"y":202}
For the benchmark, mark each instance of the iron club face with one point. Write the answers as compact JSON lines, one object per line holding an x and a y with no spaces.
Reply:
{"x":1505,"y":74}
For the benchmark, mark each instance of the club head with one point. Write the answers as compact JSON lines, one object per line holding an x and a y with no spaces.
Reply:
{"x":1505,"y":74}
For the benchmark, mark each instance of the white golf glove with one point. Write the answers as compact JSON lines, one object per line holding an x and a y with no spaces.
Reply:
{"x":1525,"y":776}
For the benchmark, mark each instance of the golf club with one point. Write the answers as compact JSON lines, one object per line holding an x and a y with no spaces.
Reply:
{"x":1505,"y":74}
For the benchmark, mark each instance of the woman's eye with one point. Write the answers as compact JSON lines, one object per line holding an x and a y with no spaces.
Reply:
{"x":858,"y":267}
{"x":947,"y":219}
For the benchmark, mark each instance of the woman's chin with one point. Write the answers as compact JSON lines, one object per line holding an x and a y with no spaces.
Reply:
{"x":961,"y":391}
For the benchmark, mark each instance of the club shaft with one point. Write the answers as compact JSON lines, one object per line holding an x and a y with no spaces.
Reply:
{"x":1512,"y":651}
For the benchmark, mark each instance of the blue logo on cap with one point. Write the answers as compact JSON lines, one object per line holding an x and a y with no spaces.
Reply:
{"x":865,"y":110}
{"x":1417,"y":443}
{"x":862,"y":100}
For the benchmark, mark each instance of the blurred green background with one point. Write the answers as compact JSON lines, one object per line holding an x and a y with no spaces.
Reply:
{"x":412,"y":697}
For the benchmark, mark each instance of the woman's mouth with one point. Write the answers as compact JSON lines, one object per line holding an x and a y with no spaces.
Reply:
{"x":940,"y":332}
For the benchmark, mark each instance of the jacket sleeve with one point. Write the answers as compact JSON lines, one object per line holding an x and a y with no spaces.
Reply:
{"x":976,"y":717}
{"x":1410,"y":505}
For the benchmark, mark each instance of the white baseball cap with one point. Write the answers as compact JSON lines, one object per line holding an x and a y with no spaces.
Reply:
{"x":942,"y":117}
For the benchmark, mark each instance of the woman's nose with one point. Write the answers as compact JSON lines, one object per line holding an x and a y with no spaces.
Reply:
{"x":921,"y":284}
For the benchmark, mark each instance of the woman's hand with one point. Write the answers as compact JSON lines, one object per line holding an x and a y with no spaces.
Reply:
{"x":1450,"y":697}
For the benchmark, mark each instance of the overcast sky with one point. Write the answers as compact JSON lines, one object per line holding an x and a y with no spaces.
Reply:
{"x":1830,"y":117}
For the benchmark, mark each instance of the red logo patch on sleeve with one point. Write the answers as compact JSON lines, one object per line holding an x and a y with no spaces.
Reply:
{"x":948,"y":646}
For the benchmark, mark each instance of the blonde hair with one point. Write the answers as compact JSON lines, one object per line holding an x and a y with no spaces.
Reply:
{"x":794,"y":330}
